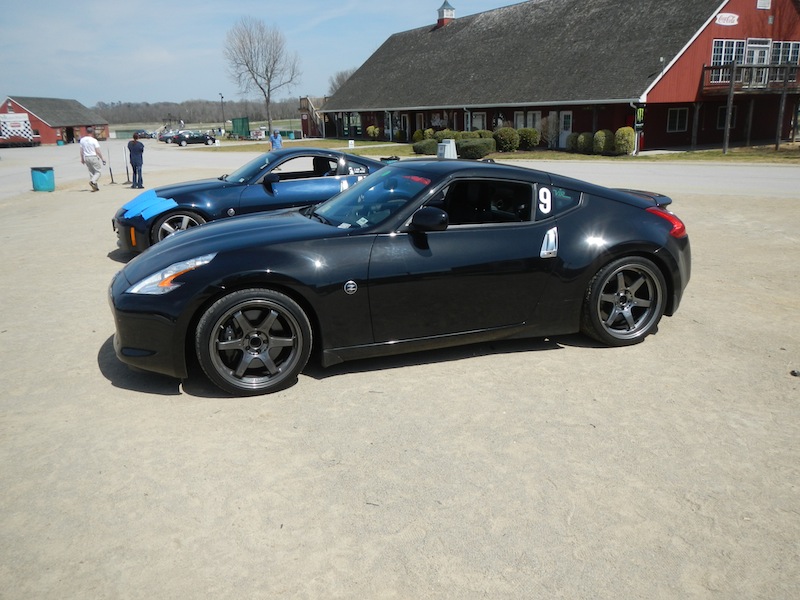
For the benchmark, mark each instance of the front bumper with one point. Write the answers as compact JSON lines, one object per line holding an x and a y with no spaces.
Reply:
{"x":144,"y":338}
{"x":129,"y":238}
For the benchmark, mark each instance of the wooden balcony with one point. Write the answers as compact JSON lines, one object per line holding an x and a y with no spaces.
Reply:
{"x":750,"y":79}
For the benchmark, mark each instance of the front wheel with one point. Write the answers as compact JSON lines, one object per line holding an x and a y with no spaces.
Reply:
{"x":183,"y":143}
{"x":253,"y":341}
{"x":624,"y":302}
{"x":171,"y":223}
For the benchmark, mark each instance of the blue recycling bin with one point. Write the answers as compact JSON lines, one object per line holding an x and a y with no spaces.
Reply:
{"x":44,"y":179}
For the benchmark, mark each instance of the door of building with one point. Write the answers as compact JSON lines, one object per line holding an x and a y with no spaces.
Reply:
{"x":565,"y":127}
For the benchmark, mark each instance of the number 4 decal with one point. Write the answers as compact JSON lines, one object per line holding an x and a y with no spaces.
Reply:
{"x":545,"y":200}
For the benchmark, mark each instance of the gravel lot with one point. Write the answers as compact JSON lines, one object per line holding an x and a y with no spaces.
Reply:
{"x":524,"y":469}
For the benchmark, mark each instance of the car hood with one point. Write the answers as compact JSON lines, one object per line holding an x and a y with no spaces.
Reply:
{"x":153,"y":202}
{"x":262,"y":229}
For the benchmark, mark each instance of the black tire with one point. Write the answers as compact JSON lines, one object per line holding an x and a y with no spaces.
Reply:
{"x":182,"y":143}
{"x":253,"y":341}
{"x":173,"y":222}
{"x":209,"y":142}
{"x":624,"y":302}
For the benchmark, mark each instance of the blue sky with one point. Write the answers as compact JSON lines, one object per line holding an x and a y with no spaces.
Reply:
{"x":172,"y":50}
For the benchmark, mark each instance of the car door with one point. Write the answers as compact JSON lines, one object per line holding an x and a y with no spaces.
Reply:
{"x":487,"y":270}
{"x":305,"y":179}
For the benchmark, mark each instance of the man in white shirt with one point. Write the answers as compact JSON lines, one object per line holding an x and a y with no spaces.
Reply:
{"x":91,"y":157}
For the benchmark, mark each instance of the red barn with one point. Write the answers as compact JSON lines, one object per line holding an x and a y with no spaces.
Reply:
{"x":34,"y":121}
{"x":678,"y":71}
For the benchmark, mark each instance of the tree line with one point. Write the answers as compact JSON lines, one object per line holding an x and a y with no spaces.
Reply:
{"x":195,"y":111}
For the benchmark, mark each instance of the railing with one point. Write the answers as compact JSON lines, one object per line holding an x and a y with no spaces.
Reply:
{"x":750,"y":79}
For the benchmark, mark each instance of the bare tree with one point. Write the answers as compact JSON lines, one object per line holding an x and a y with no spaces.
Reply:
{"x":259,"y":60}
{"x":336,"y":81}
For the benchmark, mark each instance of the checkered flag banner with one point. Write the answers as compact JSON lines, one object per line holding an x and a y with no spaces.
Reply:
{"x":15,"y":125}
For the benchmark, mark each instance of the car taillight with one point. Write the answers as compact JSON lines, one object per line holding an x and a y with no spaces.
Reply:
{"x":678,"y":228}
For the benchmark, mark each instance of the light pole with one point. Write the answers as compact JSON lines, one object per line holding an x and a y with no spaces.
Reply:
{"x":222,"y":106}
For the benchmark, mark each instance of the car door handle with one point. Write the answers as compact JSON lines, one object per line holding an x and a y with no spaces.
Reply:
{"x":550,"y":244}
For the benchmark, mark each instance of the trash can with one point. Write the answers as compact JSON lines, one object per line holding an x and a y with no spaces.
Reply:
{"x":43,"y":179}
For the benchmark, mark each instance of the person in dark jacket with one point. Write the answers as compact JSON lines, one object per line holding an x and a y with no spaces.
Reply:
{"x":136,"y":151}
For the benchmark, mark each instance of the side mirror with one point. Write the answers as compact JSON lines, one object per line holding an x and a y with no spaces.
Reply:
{"x":429,"y":218}
{"x":269,"y":179}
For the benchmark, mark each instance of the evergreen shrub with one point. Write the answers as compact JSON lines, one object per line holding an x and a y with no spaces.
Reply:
{"x":475,"y":148}
{"x":625,"y":140}
{"x":603,"y":142}
{"x":529,"y":138}
{"x":425,"y":147}
{"x":507,"y":139}
{"x":585,"y":142}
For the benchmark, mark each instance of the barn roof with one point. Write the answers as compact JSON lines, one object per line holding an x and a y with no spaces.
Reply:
{"x":57,"y":112}
{"x":535,"y":52}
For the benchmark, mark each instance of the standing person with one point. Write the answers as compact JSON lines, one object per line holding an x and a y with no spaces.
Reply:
{"x":136,"y":150}
{"x":276,"y":140}
{"x":91,"y":157}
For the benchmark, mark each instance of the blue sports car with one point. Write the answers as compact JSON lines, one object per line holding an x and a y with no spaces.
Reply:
{"x":278,"y":179}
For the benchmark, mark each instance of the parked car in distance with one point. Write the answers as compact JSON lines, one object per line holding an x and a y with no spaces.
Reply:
{"x":421,"y":254}
{"x":168,"y":136}
{"x":143,"y":133}
{"x":277,"y":179}
{"x":193,"y":137}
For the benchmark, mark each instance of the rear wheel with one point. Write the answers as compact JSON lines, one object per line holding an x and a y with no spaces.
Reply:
{"x":183,"y":143}
{"x":624,"y":302}
{"x":170,"y":223}
{"x":253,"y":341}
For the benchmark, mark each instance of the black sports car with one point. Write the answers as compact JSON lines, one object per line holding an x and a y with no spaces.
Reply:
{"x":277,"y":179}
{"x":193,"y":137}
{"x":422,"y":254}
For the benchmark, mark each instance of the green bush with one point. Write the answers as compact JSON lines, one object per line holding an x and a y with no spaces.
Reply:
{"x":585,"y":143}
{"x":417,"y":136}
{"x":446,"y":134}
{"x":475,"y":148}
{"x":400,"y":136}
{"x":485,"y":133}
{"x":469,"y":135}
{"x":507,"y":139}
{"x":529,"y":138}
{"x":425,"y":147}
{"x":572,"y":142}
{"x":374,"y":132}
{"x":603,"y":142}
{"x":625,"y":140}
{"x":429,"y":134}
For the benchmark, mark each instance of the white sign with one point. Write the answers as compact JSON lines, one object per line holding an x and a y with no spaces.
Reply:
{"x":764,"y":4}
{"x":727,"y":19}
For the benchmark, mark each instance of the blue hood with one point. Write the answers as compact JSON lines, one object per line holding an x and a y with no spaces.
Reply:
{"x":160,"y":199}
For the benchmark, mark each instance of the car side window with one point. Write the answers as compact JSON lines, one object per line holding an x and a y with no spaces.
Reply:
{"x":483,"y":201}
{"x":552,"y":201}
{"x":304,"y":167}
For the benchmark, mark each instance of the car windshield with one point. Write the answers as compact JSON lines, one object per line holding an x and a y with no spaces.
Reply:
{"x":251,"y":169}
{"x":373,"y":199}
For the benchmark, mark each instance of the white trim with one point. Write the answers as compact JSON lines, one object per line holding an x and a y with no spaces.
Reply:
{"x":489,"y":105}
{"x":657,"y":80}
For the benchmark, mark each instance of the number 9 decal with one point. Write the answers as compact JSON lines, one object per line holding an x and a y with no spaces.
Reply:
{"x":545,"y":200}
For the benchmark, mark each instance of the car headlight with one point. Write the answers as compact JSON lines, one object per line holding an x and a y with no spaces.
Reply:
{"x":163,"y":281}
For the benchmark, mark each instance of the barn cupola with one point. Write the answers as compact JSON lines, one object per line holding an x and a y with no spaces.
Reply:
{"x":446,"y":14}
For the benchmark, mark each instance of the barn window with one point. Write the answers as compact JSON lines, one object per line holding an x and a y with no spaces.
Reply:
{"x":677,"y":120}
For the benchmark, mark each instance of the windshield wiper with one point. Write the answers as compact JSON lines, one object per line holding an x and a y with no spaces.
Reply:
{"x":315,"y":215}
{"x":223,"y":177}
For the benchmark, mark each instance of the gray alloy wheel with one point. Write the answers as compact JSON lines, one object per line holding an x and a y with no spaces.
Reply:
{"x":209,"y":142}
{"x":175,"y":221}
{"x":624,"y":301}
{"x":253,"y":341}
{"x":183,"y":143}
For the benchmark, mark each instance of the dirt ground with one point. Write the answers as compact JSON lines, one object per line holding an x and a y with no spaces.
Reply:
{"x":525,"y":469}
